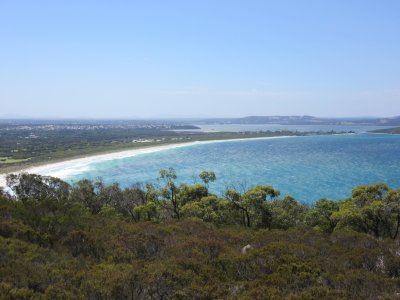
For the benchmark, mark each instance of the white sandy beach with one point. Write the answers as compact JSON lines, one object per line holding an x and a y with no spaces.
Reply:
{"x":75,"y":166}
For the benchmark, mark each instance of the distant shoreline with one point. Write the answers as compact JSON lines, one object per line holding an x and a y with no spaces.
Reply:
{"x":394,"y":130}
{"x":68,"y":167}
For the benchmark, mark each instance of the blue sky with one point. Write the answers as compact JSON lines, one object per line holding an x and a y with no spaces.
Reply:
{"x":130,"y":59}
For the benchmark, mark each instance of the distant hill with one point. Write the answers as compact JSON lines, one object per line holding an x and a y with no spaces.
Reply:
{"x":303,"y":120}
{"x":395,"y":130}
{"x":282,"y":120}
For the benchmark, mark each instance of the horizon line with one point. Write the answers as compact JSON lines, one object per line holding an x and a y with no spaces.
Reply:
{"x":191,"y":118}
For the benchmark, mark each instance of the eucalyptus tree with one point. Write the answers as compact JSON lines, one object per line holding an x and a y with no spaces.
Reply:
{"x":320,"y":215}
{"x":209,"y":209}
{"x":32,"y":186}
{"x":84,"y":192}
{"x":191,"y":193}
{"x":131,"y":198}
{"x":169,"y":190}
{"x":287,"y":212}
{"x":207,"y":177}
{"x":373,"y":209}
{"x":253,"y":205}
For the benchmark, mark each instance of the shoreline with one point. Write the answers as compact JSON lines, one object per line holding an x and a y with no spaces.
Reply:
{"x":70,"y":167}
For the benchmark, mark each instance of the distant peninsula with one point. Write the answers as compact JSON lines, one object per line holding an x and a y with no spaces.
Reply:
{"x":395,"y":130}
{"x":304,"y":120}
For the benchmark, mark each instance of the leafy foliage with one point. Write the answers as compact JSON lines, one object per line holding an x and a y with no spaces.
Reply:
{"x":92,"y":241}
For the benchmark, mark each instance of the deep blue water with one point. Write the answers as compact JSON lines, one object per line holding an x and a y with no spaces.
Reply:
{"x":308,"y":168}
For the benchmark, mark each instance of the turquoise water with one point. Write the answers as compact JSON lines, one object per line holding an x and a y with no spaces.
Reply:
{"x":308,"y":168}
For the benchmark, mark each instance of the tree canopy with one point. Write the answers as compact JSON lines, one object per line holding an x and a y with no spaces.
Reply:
{"x":180,"y":241}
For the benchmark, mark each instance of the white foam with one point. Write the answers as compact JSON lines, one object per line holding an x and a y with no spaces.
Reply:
{"x":3,"y":180}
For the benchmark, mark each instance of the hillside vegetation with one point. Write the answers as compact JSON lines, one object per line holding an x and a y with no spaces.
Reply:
{"x":92,"y":241}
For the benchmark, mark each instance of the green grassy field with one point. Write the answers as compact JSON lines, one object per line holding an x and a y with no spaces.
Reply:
{"x":8,"y":160}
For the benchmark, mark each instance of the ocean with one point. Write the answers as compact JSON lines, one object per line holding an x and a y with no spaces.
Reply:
{"x":307,"y":168}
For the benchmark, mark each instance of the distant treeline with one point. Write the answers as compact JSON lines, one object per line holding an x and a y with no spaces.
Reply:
{"x":170,"y":241}
{"x":395,"y":130}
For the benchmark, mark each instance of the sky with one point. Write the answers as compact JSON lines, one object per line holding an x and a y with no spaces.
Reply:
{"x":200,"y":58}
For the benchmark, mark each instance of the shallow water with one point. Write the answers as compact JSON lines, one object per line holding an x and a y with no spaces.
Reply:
{"x":308,"y":168}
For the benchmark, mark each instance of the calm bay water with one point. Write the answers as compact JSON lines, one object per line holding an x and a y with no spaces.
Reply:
{"x":308,"y":168}
{"x":277,"y":127}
